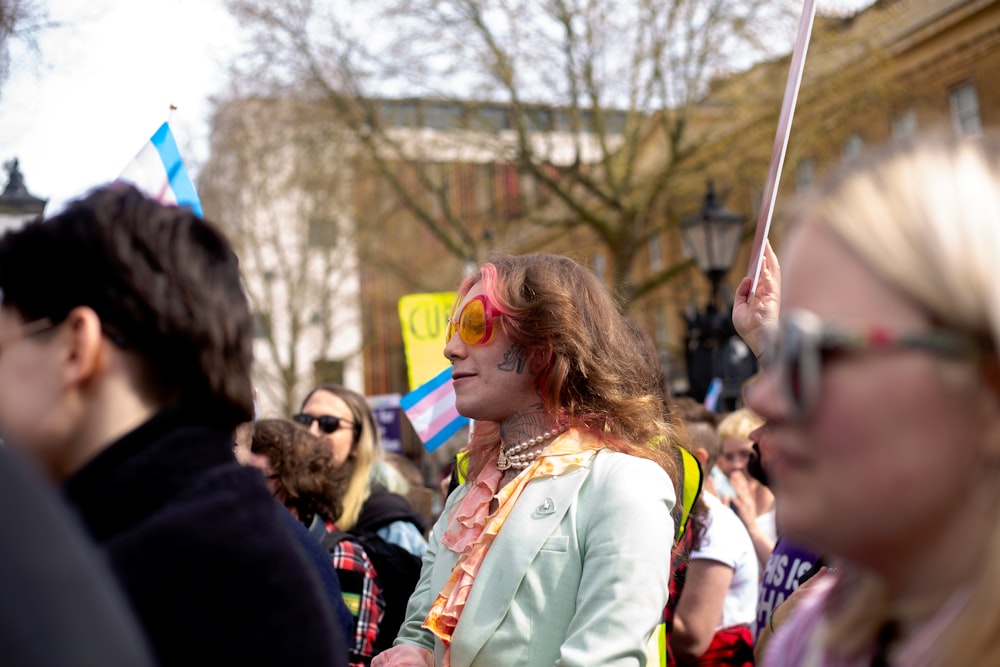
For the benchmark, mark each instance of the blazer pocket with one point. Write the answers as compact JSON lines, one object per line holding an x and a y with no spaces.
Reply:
{"x":559,"y":543}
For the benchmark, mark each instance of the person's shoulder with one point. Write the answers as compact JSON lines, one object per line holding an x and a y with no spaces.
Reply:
{"x":230,"y":494}
{"x":619,"y":465}
{"x":227,"y":519}
{"x":792,"y":639}
{"x":383,"y":507}
{"x":625,"y":475}
{"x":724,"y":518}
{"x":724,"y":533}
{"x":349,"y":550}
{"x":383,"y":501}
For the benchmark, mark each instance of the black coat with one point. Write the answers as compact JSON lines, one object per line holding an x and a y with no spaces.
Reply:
{"x":202,"y":551}
{"x":60,"y":605}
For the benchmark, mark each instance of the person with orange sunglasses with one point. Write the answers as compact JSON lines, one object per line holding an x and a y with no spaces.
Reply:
{"x":556,"y":550}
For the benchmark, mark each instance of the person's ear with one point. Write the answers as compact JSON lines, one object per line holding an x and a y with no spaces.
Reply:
{"x":701,"y":454}
{"x":83,"y":353}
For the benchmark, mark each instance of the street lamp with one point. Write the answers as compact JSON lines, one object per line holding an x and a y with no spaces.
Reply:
{"x":17,"y":205}
{"x":713,"y":350}
{"x":712,"y":237}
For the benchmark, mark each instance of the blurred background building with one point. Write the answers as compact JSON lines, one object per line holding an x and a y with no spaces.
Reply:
{"x":340,"y":204}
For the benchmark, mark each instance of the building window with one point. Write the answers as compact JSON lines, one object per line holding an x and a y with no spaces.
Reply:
{"x":328,"y":371}
{"x":564,"y":121}
{"x":322,"y":233}
{"x":490,"y":119}
{"x":261,"y":325}
{"x":655,"y":253}
{"x":853,"y":146}
{"x":965,"y":110}
{"x":614,"y":122}
{"x":538,"y":120}
{"x":600,"y":265}
{"x":399,"y":114}
{"x":805,"y":172}
{"x":904,"y":125}
{"x":662,"y":335}
{"x":442,"y":116}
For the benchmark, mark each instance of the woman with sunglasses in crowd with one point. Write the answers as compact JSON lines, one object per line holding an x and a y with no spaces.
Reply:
{"x":343,"y":419}
{"x":880,"y":389}
{"x":557,"y":548}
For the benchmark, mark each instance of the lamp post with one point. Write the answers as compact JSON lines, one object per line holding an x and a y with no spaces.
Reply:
{"x":713,"y":351}
{"x":17,"y":205}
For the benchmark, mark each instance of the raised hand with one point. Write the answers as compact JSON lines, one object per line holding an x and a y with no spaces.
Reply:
{"x":753,"y":313}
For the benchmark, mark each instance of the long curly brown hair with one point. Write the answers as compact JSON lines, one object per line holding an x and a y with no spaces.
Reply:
{"x":593,"y":371}
{"x":304,"y":472}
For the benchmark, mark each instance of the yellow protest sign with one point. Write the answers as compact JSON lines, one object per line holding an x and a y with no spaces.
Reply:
{"x":424,"y":318}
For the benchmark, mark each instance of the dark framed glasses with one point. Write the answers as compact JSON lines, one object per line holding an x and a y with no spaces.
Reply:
{"x":327,"y":423}
{"x":799,"y":348}
{"x":29,"y":329}
{"x":474,"y":324}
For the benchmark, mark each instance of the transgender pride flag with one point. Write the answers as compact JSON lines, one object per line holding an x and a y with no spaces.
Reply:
{"x":158,"y":171}
{"x":431,"y":409}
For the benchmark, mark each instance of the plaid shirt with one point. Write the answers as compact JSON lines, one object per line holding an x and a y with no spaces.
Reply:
{"x":679,"y":560}
{"x":362,"y":595}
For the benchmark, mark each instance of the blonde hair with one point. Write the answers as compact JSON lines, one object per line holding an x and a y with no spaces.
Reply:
{"x":925,"y":215}
{"x":366,"y":450}
{"x":739,"y":424}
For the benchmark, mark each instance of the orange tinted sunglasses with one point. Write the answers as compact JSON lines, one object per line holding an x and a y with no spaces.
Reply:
{"x":474,"y":324}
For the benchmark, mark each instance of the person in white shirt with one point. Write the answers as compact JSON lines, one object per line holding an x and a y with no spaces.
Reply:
{"x":717,"y":606}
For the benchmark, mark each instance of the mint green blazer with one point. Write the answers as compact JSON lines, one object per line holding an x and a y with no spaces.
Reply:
{"x":577,"y":575}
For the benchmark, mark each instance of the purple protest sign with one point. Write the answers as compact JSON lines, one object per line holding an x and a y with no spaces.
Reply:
{"x":389,"y":417}
{"x":787,"y":564}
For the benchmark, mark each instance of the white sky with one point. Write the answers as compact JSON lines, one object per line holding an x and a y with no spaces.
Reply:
{"x":75,"y":115}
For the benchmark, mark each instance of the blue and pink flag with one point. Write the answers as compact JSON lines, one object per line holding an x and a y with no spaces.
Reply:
{"x":713,"y":394}
{"x":431,"y":409}
{"x":158,"y":171}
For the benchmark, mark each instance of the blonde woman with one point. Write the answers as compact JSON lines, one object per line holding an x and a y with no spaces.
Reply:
{"x":881,"y":392}
{"x":342,"y":419}
{"x":752,"y":501}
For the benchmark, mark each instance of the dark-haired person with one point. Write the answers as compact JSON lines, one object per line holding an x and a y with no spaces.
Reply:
{"x":125,"y":352}
{"x":557,"y":548}
{"x":300,"y":473}
{"x":311,"y":545}
{"x":60,"y":604}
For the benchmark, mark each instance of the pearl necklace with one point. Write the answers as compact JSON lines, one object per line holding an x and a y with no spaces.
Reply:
{"x":512,"y":457}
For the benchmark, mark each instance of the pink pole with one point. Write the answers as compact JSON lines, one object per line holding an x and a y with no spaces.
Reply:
{"x":781,"y":140}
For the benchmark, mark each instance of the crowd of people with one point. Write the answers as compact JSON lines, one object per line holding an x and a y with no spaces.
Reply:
{"x":843,"y":516}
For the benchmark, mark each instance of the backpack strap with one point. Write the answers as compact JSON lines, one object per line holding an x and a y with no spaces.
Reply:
{"x":690,"y":488}
{"x":332,"y":538}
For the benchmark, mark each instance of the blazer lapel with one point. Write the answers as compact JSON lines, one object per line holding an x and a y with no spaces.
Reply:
{"x":537,"y":514}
